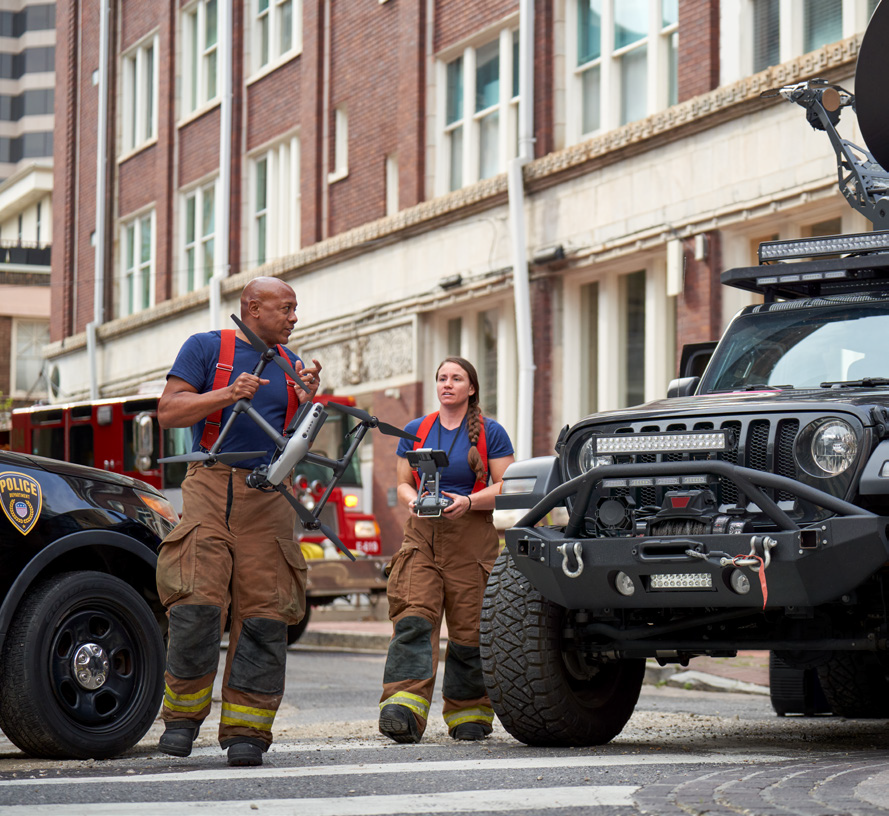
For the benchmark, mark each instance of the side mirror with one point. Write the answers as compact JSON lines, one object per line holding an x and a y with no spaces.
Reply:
{"x":695,"y":357}
{"x":143,"y":441}
{"x":683,"y":387}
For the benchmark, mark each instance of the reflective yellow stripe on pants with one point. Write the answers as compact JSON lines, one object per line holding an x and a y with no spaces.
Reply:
{"x":258,"y":718}
{"x":187,"y":703}
{"x":414,"y":702}
{"x":479,"y":714}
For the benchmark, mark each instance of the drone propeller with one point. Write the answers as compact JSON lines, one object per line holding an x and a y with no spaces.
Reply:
{"x":200,"y":456}
{"x":310,"y":522}
{"x":279,"y":360}
{"x":373,"y":422}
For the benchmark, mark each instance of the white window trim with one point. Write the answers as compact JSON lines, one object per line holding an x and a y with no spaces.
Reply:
{"x":506,"y":106}
{"x":134,"y":61}
{"x":283,"y":202}
{"x":13,"y":358}
{"x":340,"y":146}
{"x":125,"y":283}
{"x":736,"y":33}
{"x":198,"y":190}
{"x":392,"y":184}
{"x":193,"y":63}
{"x":657,"y":82}
{"x":276,"y":60}
{"x":660,"y":337}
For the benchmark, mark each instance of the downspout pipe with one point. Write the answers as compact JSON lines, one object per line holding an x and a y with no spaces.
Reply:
{"x":516,"y":194}
{"x":101,"y":202}
{"x":222,"y":267}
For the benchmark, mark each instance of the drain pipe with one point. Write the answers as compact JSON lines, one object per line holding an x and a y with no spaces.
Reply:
{"x":101,"y":204}
{"x":516,"y":193}
{"x":222,"y":266}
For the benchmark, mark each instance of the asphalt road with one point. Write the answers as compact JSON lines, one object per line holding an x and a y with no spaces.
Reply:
{"x":682,"y":752}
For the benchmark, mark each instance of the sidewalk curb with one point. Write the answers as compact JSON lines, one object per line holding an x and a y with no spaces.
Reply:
{"x":655,"y":675}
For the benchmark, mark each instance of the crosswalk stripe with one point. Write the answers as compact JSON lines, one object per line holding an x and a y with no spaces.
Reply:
{"x":428,"y":766}
{"x":473,"y":801}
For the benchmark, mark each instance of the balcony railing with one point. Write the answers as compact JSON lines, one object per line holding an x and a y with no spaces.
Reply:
{"x":24,"y":253}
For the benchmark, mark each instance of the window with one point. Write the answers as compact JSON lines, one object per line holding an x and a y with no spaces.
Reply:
{"x":277,"y":31}
{"x":479,"y":112}
{"x":274,"y":202}
{"x":780,"y":31}
{"x":391,"y":185}
{"x":200,"y":39}
{"x":487,"y":361}
{"x":137,"y":262}
{"x":340,"y":145}
{"x":31,"y":337}
{"x":454,"y":337}
{"x":626,"y":324}
{"x":139,"y":91}
{"x":199,"y":232}
{"x":622,"y":59}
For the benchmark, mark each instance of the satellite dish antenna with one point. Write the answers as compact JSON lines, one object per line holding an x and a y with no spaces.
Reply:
{"x":870,"y":85}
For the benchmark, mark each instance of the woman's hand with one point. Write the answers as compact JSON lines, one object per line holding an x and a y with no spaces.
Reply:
{"x":460,"y":506}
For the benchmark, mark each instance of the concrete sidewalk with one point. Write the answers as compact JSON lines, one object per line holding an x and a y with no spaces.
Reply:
{"x":747,"y":673}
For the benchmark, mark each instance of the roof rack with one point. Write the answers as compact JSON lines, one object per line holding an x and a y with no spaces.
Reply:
{"x":815,"y":278}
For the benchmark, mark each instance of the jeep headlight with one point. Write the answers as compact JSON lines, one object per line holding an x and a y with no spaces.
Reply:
{"x":834,"y":446}
{"x":587,"y":459}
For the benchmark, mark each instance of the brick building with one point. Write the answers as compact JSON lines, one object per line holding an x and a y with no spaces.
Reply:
{"x":360,"y":151}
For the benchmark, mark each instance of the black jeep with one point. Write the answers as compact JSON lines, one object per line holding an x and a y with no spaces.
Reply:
{"x":748,"y":510}
{"x":81,"y":642}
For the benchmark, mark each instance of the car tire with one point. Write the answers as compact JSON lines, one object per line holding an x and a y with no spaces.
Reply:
{"x":45,"y":709}
{"x":539,"y":697}
{"x":295,"y":630}
{"x":855,"y":685}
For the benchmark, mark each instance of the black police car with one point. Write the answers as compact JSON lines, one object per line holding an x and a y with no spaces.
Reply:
{"x":81,"y":640}
{"x":749,"y":510}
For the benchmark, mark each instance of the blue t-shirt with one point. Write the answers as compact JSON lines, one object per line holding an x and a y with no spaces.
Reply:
{"x":196,"y":364}
{"x":458,"y":477}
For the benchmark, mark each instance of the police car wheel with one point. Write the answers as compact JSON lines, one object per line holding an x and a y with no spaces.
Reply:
{"x":539,"y":689}
{"x":856,"y":684}
{"x":81,"y":674}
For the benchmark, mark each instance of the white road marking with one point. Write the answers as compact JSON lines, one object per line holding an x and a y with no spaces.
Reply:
{"x":512,"y":801}
{"x":422,"y":766}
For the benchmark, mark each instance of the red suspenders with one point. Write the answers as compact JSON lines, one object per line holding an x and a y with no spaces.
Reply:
{"x":221,"y":379}
{"x":481,"y":446}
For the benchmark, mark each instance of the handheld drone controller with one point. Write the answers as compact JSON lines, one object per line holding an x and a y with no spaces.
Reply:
{"x":430,"y":503}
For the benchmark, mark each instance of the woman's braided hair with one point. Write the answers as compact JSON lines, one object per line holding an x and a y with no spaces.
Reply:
{"x":473,"y":416}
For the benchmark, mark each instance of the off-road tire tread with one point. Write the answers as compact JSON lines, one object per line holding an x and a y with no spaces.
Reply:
{"x":525,"y":675}
{"x":855,"y":685}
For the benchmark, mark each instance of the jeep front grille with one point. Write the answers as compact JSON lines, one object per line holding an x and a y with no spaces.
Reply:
{"x":761,"y":443}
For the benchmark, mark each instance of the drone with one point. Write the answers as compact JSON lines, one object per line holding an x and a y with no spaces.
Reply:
{"x":293,"y":445}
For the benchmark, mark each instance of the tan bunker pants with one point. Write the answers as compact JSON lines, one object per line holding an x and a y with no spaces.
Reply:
{"x":233,"y":545}
{"x":441,"y":570}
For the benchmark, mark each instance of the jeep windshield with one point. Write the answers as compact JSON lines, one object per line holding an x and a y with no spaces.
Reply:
{"x":788,"y":345}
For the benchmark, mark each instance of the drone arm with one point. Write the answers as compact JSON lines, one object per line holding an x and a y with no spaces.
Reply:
{"x":339,"y":469}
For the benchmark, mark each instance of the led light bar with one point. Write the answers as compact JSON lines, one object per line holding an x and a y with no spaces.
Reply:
{"x":826,"y":245}
{"x":693,"y":580}
{"x":661,"y":443}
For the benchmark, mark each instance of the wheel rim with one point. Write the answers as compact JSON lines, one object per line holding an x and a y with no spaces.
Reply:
{"x":108,"y":684}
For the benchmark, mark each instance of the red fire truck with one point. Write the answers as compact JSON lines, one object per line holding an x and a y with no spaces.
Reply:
{"x":123,"y":435}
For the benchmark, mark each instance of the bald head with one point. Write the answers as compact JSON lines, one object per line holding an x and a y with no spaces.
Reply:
{"x":263,"y":287}
{"x":268,"y":307}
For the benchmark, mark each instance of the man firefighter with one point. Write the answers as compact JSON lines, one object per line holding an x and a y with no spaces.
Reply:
{"x":233,"y":545}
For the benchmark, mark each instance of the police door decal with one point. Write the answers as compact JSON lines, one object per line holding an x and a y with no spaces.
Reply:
{"x":21,"y":499}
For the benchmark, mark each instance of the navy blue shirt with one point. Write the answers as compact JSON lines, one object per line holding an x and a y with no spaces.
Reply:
{"x":196,"y":364}
{"x":458,"y":477}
